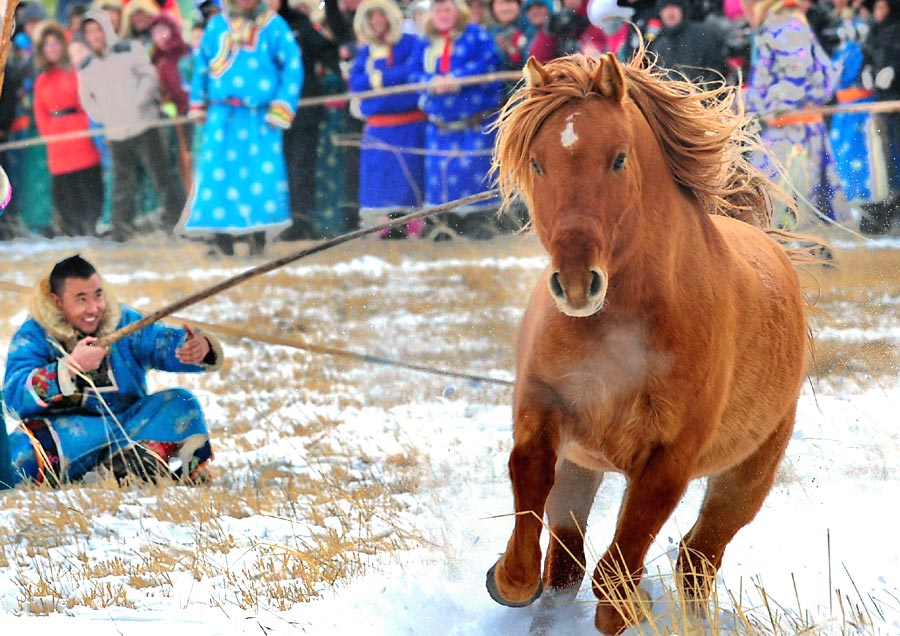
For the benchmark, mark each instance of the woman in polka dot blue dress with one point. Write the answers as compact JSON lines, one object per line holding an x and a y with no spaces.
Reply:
{"x":247,"y":81}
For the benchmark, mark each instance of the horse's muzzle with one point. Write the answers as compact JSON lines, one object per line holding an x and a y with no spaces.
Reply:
{"x":578,"y":294}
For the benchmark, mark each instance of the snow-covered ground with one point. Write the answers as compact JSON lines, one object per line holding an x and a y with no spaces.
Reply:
{"x":824,"y":547}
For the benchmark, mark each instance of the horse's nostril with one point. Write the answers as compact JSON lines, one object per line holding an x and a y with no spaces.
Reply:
{"x":596,"y":283}
{"x":555,"y":287}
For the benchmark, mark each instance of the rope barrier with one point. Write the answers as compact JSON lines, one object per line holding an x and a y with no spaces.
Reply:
{"x":339,"y":98}
{"x":297,"y":343}
{"x":355,"y":141}
{"x":303,"y":103}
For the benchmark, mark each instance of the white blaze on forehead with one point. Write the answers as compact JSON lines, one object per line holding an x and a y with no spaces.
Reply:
{"x":569,"y":136}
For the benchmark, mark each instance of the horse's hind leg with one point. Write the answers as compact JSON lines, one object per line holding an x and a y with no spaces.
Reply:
{"x":568,"y":508}
{"x":733,"y":497}
{"x":515,"y":580}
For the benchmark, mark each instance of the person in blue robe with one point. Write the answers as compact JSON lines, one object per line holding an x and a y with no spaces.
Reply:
{"x":391,"y":173}
{"x":246,"y":84}
{"x":858,"y":147}
{"x":79,"y":405}
{"x":458,"y":137}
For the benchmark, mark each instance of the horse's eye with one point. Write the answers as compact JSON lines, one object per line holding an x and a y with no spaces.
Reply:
{"x":536,"y":167}
{"x":619,"y":163}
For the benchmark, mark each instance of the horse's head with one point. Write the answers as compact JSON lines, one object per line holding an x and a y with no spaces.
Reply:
{"x":578,"y":180}
{"x":612,"y":159}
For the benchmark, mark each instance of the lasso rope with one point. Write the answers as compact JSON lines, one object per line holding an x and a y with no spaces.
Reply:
{"x":321,"y":246}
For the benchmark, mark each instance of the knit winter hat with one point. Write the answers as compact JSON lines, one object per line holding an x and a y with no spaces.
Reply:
{"x":32,"y":12}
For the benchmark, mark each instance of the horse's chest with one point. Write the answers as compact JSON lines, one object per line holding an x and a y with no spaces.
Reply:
{"x":595,"y":375}
{"x":607,"y":390}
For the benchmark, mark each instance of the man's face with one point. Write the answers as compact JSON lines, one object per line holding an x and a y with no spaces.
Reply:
{"x":94,"y":36}
{"x":82,"y":302}
{"x":671,"y":15}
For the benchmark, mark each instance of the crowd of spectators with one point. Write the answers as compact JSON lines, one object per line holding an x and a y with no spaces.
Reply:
{"x":253,"y":166}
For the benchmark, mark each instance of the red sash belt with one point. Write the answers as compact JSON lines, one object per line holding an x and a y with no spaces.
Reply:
{"x":797,"y":120}
{"x":395,"y":119}
{"x":852,"y":94}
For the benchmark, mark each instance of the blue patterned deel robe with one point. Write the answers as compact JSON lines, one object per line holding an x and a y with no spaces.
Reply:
{"x":791,"y":71}
{"x":391,"y":166}
{"x":457,"y":138}
{"x":857,"y":143}
{"x":84,"y":423}
{"x":248,"y":76}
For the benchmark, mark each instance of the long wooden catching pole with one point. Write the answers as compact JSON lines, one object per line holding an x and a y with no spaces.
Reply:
{"x":321,"y":246}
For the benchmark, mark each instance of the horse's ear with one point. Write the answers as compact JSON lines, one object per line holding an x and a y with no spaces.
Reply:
{"x":608,"y":78}
{"x":534,"y":73}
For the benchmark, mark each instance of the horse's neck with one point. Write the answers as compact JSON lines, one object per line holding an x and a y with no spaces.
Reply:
{"x":673,"y":239}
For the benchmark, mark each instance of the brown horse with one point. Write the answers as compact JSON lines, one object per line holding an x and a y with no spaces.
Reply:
{"x":667,"y":340}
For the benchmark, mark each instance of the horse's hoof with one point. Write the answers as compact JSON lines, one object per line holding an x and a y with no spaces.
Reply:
{"x":491,"y":585}
{"x":609,"y":619}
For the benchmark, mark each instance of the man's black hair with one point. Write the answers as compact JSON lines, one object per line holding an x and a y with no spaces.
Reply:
{"x":72,"y":267}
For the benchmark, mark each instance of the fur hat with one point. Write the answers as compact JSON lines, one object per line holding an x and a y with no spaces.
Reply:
{"x":46,"y":29}
{"x":462,"y":17}
{"x":601,"y":11}
{"x":150,"y":7}
{"x":390,"y":10}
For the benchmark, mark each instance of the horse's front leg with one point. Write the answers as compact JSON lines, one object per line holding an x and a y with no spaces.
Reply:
{"x":515,"y":580}
{"x":650,"y":499}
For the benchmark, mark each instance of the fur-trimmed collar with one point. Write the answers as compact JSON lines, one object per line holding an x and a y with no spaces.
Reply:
{"x":50,"y":317}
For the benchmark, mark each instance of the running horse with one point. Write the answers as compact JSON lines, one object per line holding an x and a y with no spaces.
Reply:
{"x":667,"y":339}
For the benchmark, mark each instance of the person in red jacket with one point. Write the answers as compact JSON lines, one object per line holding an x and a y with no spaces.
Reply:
{"x":77,"y":175}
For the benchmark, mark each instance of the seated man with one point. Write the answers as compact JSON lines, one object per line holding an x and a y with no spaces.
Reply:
{"x":82,"y":405}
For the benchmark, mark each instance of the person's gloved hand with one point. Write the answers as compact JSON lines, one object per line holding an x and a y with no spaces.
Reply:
{"x":884,"y":78}
{"x":197,"y":114}
{"x":169,"y":109}
{"x":868,"y":81}
{"x":279,"y":116}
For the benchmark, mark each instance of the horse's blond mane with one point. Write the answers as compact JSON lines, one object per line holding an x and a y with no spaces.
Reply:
{"x":703,"y":133}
